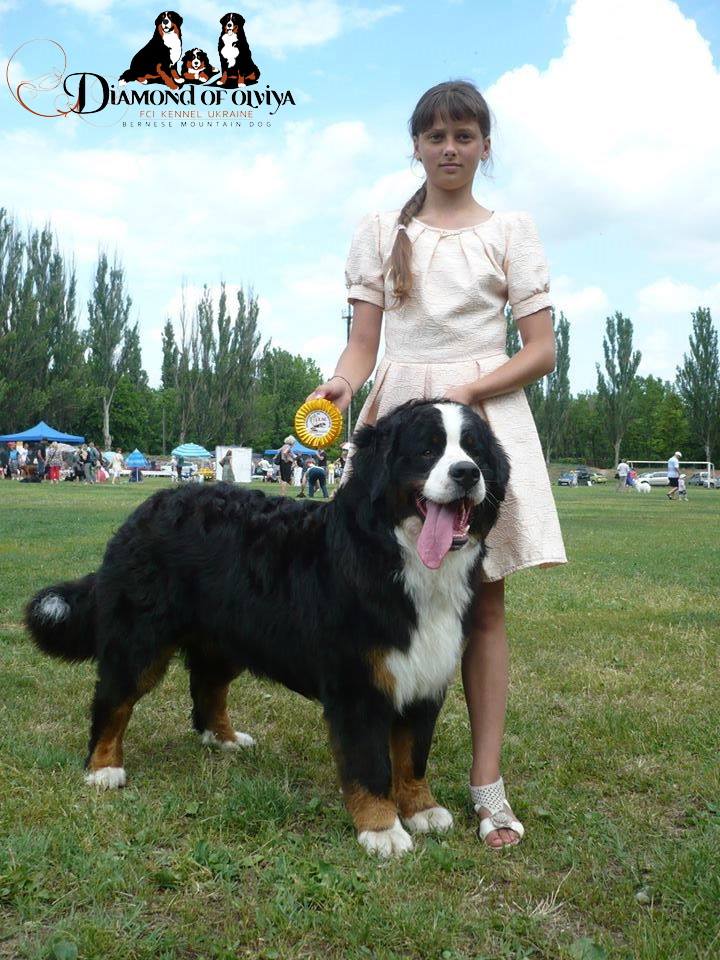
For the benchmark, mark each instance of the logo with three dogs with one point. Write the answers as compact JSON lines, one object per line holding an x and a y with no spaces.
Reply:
{"x":165,"y":70}
{"x":162,"y":59}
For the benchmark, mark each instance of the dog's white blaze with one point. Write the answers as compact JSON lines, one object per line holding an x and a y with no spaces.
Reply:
{"x":53,"y":607}
{"x":439,"y":485}
{"x":229,"y":51}
{"x":441,"y":598}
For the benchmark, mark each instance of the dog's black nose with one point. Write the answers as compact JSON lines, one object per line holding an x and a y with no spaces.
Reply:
{"x":466,"y":473}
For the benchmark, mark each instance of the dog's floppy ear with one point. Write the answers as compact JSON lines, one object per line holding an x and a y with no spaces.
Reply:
{"x":372,"y":457}
{"x":496,"y":473}
{"x":176,"y":18}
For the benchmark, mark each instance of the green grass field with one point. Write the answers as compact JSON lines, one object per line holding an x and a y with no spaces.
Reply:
{"x":611,"y":761}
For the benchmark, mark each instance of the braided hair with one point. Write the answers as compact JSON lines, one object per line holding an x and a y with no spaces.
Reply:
{"x":456,"y":100}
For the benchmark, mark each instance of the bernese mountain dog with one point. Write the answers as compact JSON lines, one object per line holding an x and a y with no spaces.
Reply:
{"x":362,"y":603}
{"x":156,"y":61}
{"x":236,"y":62}
{"x":196,"y":67}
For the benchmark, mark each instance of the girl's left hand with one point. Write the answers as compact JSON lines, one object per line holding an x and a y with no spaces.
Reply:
{"x":461,"y":394}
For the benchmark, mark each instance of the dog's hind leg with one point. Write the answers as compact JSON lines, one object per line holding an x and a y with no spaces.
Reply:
{"x":410,"y":742}
{"x":359,"y":737}
{"x":116,"y":693}
{"x":209,"y":689}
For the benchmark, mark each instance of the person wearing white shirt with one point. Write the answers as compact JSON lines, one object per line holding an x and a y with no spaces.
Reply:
{"x":673,"y":472}
{"x":622,"y":471}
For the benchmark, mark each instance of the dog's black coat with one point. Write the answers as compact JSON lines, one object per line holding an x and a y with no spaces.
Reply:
{"x":154,"y":53}
{"x":298,"y":591}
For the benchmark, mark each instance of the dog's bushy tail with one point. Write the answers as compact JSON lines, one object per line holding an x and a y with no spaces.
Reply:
{"x":61,"y":619}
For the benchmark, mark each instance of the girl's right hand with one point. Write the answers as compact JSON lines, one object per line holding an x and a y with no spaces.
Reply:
{"x":335,"y":390}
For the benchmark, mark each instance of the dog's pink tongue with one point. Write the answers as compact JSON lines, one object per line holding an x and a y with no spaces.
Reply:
{"x":437,"y":533}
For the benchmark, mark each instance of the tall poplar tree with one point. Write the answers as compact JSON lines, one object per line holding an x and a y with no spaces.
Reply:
{"x":698,"y":380}
{"x":553,"y":410}
{"x":616,"y":387}
{"x":109,"y":338}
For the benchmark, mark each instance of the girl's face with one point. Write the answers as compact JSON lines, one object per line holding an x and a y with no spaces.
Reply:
{"x":450,"y":151}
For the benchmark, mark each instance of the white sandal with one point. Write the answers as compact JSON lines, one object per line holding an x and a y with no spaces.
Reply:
{"x":492,"y":797}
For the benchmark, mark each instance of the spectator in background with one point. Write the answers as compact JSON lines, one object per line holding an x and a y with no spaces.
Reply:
{"x":179,"y":464}
{"x":228,"y":474}
{"x":116,"y":462}
{"x":41,"y":463}
{"x":54,"y":462}
{"x":673,"y":472}
{"x":286,"y":460}
{"x":4,"y":461}
{"x":315,"y":475}
{"x":13,"y":465}
{"x":622,"y":471}
{"x":682,"y":489}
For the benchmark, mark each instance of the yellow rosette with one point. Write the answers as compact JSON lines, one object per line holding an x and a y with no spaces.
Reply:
{"x":318,"y":423}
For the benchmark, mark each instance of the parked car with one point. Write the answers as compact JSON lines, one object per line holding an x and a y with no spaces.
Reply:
{"x":656,"y":478}
{"x":566,"y":479}
{"x":702,"y":479}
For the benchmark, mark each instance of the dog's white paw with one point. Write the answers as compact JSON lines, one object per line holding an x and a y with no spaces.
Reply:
{"x":241,"y":740}
{"x":393,"y":842}
{"x":432,"y":820}
{"x":106,"y":778}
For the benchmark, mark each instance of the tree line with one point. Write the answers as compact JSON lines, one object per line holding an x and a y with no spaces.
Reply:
{"x":221,"y":383}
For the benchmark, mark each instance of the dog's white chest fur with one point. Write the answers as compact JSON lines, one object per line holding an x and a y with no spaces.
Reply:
{"x":229,"y":50}
{"x":441,"y":598}
{"x":172,"y":42}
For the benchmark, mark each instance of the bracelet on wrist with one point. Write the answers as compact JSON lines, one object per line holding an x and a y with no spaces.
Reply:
{"x":338,"y":376}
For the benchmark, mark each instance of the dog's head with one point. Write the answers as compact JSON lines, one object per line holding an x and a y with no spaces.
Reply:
{"x":195,"y":59}
{"x":231,"y":23}
{"x":434,"y":469}
{"x":167,"y":21}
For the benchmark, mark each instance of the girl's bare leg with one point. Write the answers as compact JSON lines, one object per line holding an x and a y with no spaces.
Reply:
{"x":485,"y":680}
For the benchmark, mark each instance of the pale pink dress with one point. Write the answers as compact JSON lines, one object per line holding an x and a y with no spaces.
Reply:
{"x":451,"y":331}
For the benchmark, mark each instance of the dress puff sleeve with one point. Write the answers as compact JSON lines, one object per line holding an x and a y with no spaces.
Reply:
{"x":526,"y":269}
{"x":363,"y":272}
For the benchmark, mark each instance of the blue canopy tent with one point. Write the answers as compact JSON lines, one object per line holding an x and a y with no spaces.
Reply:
{"x":296,"y":448}
{"x":41,"y":431}
{"x":190,"y":450}
{"x":136,"y":459}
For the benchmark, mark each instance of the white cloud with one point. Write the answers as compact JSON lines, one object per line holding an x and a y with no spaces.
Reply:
{"x":619,"y":129}
{"x":670,"y":297}
{"x":289,"y":25}
{"x":90,"y":7}
{"x":584,"y":305}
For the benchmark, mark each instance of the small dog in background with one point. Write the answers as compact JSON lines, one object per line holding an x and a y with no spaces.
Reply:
{"x":236,"y":62}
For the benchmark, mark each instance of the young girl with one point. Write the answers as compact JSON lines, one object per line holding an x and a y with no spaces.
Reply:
{"x":443,"y":268}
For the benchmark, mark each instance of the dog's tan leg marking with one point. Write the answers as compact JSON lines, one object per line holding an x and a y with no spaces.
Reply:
{"x":381,"y":675}
{"x":216,"y":711}
{"x":411,"y":794}
{"x":108,"y":750}
{"x":368,"y":812}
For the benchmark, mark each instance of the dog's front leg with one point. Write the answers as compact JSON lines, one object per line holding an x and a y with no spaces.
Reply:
{"x":410,"y":742}
{"x":359,"y":736}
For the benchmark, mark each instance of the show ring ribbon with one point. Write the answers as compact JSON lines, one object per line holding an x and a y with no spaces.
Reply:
{"x":318,"y":423}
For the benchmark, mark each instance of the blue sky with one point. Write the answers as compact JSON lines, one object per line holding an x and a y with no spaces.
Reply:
{"x":606,"y":131}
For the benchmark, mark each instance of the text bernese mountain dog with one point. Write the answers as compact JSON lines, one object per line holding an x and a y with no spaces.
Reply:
{"x":196,"y":67}
{"x":236,"y":62}
{"x":361,"y":602}
{"x":157,"y":60}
